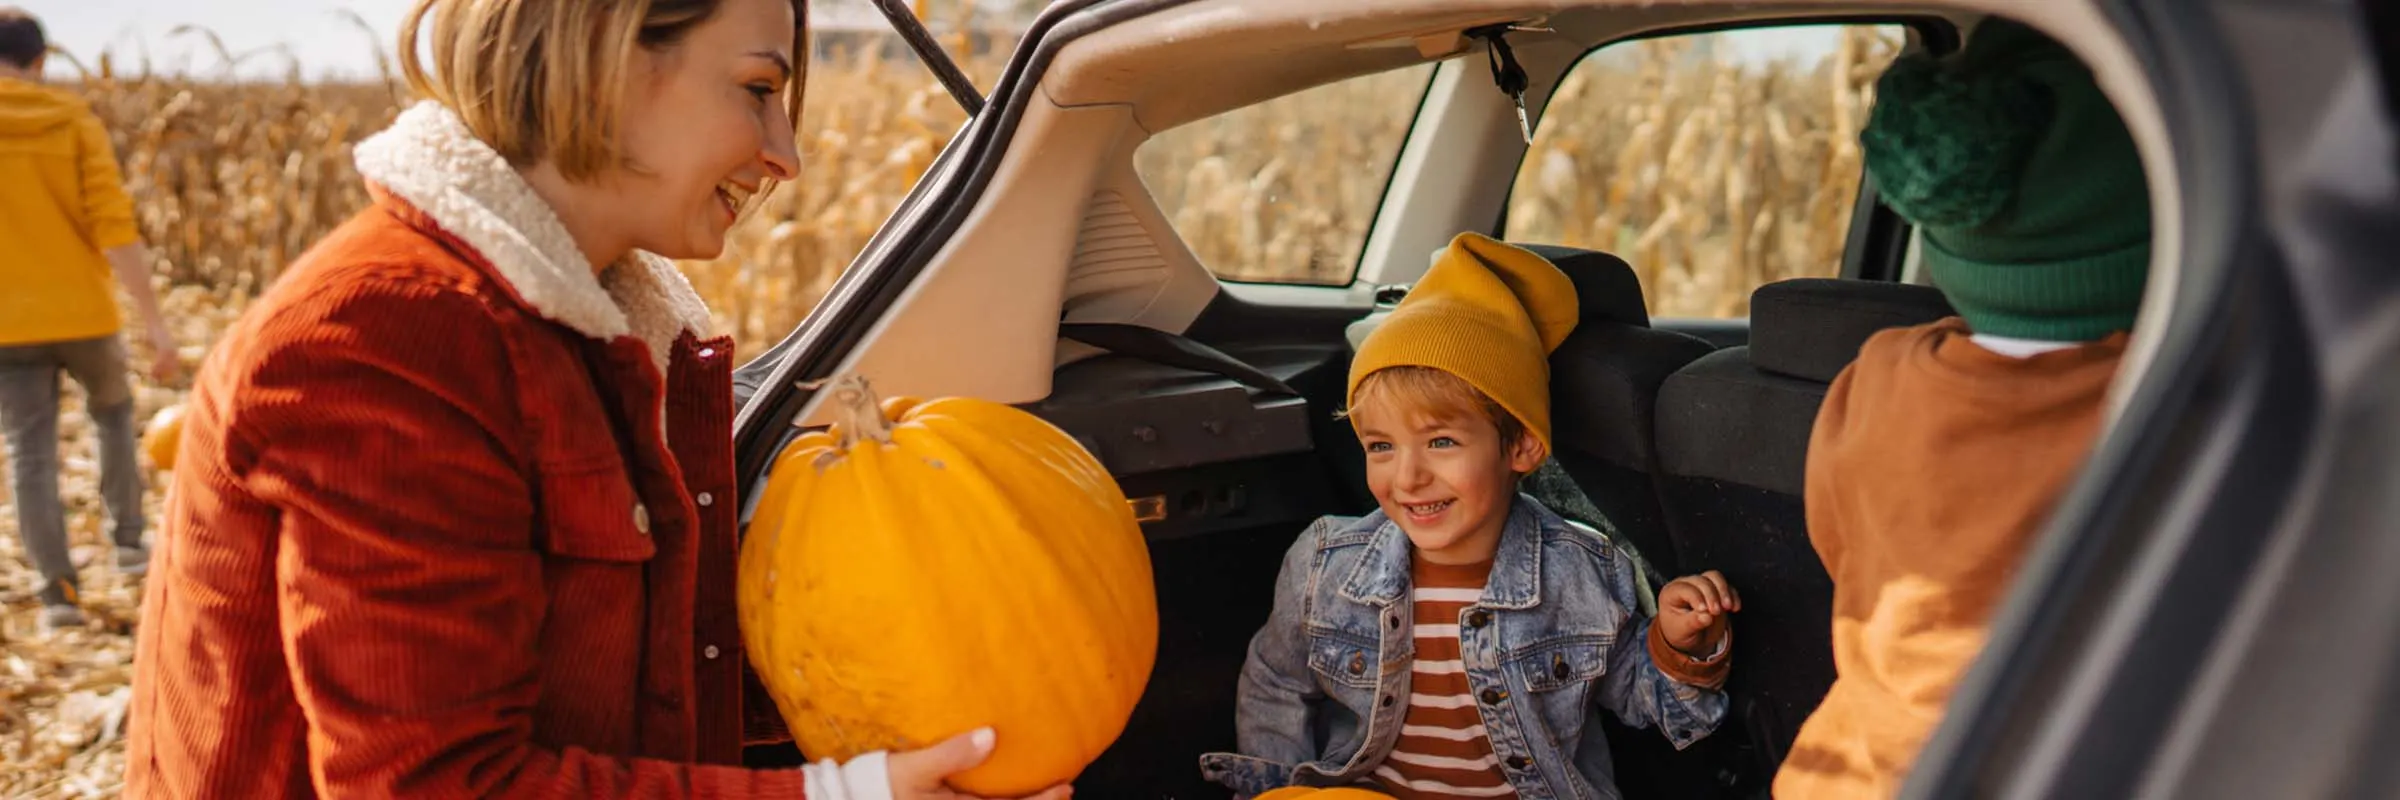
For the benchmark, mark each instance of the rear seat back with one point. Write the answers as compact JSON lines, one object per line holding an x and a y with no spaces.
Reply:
{"x":1604,"y":382}
{"x":1733,"y":430}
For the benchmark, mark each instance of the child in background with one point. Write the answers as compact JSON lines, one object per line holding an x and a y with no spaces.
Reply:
{"x":66,"y":227}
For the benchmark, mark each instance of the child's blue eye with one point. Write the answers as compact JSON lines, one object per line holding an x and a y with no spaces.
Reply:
{"x":1444,"y":441}
{"x":1379,"y":447}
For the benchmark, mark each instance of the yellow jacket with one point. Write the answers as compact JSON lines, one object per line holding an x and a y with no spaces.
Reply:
{"x":61,"y":207}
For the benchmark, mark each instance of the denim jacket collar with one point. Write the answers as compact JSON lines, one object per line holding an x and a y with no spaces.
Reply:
{"x":1516,"y":581}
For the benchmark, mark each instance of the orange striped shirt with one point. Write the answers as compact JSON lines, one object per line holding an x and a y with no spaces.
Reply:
{"x":1444,"y":751}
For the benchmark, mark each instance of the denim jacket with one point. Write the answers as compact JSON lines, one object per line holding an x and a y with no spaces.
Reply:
{"x":1563,"y":634}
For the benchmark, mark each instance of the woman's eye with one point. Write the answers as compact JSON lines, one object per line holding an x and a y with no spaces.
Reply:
{"x":761,"y":91}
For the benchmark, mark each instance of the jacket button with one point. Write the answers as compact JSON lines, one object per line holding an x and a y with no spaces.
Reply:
{"x":1558,"y":668}
{"x":641,"y":518}
{"x":706,"y":352}
{"x":1519,"y":762}
{"x":709,"y":652}
{"x":1478,"y":618}
{"x":1358,"y":663}
{"x":704,"y":499}
{"x":1492,"y":697}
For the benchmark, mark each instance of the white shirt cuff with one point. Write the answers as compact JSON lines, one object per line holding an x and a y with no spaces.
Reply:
{"x":864,"y":778}
{"x":1722,"y":643}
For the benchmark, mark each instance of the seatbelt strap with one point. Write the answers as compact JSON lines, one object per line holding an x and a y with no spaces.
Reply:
{"x":1173,"y":350}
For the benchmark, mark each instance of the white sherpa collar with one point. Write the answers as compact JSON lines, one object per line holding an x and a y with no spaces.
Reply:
{"x":428,"y":158}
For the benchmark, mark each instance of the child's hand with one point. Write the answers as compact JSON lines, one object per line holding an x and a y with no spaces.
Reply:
{"x":919,"y":774}
{"x":1691,"y":612}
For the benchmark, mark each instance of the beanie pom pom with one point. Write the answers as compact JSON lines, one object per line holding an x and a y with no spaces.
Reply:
{"x":1946,"y":147}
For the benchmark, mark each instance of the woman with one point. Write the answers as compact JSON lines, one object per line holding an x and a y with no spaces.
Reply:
{"x":454,"y":512}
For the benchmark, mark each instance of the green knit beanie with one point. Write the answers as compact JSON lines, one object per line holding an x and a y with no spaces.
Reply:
{"x":2022,"y":178}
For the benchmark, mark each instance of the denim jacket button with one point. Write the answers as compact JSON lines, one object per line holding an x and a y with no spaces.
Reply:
{"x":1358,"y":663}
{"x":1558,"y":668}
{"x":1494,"y":696}
{"x":1519,"y":763}
{"x":1478,"y":618}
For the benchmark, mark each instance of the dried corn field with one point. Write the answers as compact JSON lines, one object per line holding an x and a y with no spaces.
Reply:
{"x":1709,"y":176}
{"x":1708,"y":181}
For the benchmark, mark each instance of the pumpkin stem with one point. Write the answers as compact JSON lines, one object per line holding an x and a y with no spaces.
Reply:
{"x":859,"y":412}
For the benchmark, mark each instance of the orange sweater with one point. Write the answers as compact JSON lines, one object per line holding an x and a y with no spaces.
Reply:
{"x":1933,"y":464}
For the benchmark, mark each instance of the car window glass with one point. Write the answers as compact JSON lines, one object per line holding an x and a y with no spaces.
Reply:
{"x":1284,"y":191}
{"x":1712,"y":162}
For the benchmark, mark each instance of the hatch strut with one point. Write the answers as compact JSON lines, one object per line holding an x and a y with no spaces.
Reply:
{"x":912,"y":31}
{"x":1506,"y":72}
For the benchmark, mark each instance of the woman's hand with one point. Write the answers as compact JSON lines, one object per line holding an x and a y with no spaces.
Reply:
{"x":920,"y":774}
{"x":1691,"y":612}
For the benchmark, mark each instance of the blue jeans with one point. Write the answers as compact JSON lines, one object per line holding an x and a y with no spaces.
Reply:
{"x":29,"y":387}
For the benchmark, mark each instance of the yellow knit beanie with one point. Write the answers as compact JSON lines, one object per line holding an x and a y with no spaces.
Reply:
{"x":1487,"y":312}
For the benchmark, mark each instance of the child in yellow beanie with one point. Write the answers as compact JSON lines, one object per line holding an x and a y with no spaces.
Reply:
{"x":1403,"y":642}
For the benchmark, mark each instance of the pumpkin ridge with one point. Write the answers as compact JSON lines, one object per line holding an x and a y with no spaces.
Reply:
{"x":964,"y":445}
{"x":967,"y":442}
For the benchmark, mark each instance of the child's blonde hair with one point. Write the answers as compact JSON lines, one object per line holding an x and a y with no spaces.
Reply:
{"x":1437,"y":393}
{"x":546,"y":78}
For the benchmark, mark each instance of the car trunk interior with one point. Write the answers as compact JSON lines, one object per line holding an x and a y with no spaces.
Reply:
{"x":1225,"y":476}
{"x":1217,"y":530}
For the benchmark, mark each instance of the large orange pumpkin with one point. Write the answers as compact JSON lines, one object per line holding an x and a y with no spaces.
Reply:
{"x":1312,"y":793}
{"x":919,"y":570}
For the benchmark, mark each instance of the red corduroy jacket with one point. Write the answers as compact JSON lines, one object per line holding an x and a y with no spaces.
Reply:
{"x":454,"y":518}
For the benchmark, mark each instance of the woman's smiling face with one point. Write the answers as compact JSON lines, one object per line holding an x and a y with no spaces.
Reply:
{"x":705,"y":125}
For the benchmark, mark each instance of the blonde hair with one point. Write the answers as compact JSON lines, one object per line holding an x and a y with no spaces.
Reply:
{"x":546,"y":78}
{"x":1436,"y":393}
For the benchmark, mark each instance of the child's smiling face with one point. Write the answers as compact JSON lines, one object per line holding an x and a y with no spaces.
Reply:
{"x":1444,"y":471}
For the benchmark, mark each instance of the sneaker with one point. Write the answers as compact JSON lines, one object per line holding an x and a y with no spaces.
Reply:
{"x":133,"y":561}
{"x":60,"y":617}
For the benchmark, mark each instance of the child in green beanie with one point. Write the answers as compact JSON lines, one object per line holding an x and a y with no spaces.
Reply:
{"x":1941,"y":450}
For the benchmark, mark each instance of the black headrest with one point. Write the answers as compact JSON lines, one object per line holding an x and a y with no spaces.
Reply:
{"x":1811,"y":328}
{"x":1724,"y":419}
{"x":1604,"y":383}
{"x":1605,"y":286}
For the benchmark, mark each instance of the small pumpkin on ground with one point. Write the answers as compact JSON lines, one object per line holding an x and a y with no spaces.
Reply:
{"x":921,"y":569}
{"x":161,"y":436}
